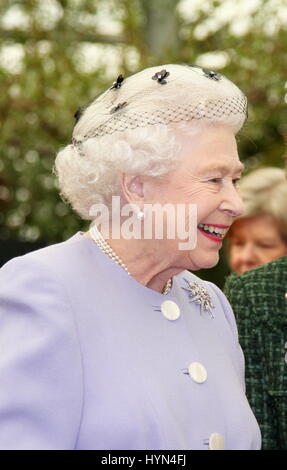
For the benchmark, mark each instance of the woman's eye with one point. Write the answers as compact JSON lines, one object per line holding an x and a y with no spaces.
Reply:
{"x":237,"y":243}
{"x":215,"y":180}
{"x":266,"y":246}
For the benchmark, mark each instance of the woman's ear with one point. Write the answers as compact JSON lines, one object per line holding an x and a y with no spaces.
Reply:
{"x":132,"y":188}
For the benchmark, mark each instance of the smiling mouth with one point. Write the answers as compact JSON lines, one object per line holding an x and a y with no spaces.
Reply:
{"x":215,"y":232}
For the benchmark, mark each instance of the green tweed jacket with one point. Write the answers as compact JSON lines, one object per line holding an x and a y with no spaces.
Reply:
{"x":259,"y":302}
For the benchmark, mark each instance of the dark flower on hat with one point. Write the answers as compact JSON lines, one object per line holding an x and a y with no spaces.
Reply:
{"x":117,"y":83}
{"x":211,"y":74}
{"x":160,"y":77}
{"x":78,"y":114}
{"x":118,"y":107}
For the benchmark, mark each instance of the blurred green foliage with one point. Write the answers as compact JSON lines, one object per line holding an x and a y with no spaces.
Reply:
{"x":57,"y":55}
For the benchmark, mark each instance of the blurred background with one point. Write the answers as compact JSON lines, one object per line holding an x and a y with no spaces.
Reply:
{"x":57,"y":55}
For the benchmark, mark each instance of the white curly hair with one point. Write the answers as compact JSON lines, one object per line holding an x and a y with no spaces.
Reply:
{"x":132,"y":128}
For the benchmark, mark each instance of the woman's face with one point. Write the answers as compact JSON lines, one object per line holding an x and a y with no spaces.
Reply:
{"x":207,"y":175}
{"x":254,"y":241}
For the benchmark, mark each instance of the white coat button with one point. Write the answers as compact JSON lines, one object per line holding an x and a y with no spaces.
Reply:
{"x":170,"y":310}
{"x":197,"y":372}
{"x":216,"y":441}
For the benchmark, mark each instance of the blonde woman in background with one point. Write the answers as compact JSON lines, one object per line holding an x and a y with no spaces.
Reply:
{"x":260,"y":235}
{"x":259,"y":300}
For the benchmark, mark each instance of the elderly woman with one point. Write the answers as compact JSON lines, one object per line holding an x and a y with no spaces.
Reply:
{"x":108,"y":342}
{"x":260,"y":235}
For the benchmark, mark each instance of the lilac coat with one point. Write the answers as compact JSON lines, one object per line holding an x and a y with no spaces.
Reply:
{"x":88,"y":361}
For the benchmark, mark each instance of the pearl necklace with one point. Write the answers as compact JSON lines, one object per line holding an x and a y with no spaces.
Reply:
{"x":107,"y":249}
{"x":167,"y":287}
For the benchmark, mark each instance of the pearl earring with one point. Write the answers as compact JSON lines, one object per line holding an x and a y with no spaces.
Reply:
{"x":140,"y":215}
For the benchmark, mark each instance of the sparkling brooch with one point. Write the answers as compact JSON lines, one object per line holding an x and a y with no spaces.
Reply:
{"x":200,"y":295}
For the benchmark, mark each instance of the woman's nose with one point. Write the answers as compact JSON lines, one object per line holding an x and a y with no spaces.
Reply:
{"x":233,"y":203}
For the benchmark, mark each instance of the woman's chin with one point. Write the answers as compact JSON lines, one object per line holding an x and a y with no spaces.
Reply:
{"x":204,"y":262}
